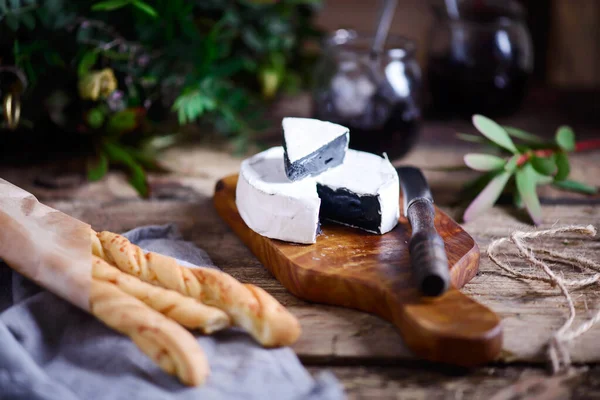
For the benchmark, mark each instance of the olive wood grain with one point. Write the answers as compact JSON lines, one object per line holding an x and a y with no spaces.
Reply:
{"x":355,"y":269}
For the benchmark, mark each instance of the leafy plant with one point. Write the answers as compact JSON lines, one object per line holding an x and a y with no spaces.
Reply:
{"x":521,"y":166}
{"x":113,"y":70}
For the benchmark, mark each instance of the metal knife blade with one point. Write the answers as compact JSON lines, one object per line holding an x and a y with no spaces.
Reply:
{"x":427,"y":252}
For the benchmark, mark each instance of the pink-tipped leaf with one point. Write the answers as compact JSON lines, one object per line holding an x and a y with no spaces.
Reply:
{"x":494,"y":132}
{"x":488,"y":196}
{"x":484,"y":162}
{"x":526,"y":180}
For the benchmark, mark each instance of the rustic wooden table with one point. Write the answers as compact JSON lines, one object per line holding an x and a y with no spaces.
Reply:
{"x":365,"y":352}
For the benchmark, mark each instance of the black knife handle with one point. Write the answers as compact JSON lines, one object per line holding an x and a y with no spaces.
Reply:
{"x":427,"y":253}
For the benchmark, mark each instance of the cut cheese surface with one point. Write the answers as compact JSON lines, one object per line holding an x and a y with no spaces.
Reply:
{"x":363,"y":192}
{"x":312,"y":146}
{"x":272,"y":205}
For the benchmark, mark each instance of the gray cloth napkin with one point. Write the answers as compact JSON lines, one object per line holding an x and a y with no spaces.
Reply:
{"x":50,"y":350}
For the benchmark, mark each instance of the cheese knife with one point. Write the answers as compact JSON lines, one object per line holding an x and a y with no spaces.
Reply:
{"x":426,"y":247}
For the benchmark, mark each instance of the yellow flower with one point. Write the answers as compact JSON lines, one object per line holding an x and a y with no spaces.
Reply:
{"x":97,"y":84}
{"x":270,"y":81}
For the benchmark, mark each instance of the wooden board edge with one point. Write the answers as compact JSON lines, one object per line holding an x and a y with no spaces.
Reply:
{"x":459,"y":277}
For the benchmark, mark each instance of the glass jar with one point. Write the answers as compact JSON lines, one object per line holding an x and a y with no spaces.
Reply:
{"x":377,"y":99}
{"x":480,"y":57}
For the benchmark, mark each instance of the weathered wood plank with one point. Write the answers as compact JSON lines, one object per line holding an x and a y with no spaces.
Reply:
{"x":495,"y":383}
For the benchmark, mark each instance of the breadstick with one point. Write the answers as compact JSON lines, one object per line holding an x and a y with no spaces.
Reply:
{"x":97,"y":249}
{"x":155,"y":352}
{"x":171,"y":346}
{"x":182,"y":309}
{"x":248,"y":306}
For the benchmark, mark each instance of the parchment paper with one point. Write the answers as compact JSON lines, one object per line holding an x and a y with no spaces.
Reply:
{"x":45,"y":245}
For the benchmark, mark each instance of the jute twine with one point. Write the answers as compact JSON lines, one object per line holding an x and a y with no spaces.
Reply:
{"x":558,"y":351}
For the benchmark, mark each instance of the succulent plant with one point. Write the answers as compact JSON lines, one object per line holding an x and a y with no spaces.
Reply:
{"x":521,"y":166}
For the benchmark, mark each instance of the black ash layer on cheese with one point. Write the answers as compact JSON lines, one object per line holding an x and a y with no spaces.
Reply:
{"x":329,"y":156}
{"x":363,"y":193}
{"x":345,"y":207}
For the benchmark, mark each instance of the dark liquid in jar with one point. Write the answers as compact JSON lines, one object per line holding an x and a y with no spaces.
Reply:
{"x":489,"y":80}
{"x":383,"y":127}
{"x":458,"y":88}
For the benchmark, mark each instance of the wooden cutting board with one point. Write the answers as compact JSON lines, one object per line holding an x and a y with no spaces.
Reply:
{"x":355,"y":269}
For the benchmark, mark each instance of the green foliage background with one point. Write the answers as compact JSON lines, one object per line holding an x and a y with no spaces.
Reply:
{"x":214,"y":62}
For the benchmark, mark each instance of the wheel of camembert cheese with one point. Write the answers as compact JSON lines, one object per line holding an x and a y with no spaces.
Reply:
{"x":272,"y":205}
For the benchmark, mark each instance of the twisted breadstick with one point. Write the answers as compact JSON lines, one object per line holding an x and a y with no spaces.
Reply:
{"x":97,"y":249}
{"x":248,"y":306}
{"x":171,"y":346}
{"x":184,"y":310}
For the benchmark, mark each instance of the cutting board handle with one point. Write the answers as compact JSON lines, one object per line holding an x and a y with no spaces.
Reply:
{"x":452,"y":328}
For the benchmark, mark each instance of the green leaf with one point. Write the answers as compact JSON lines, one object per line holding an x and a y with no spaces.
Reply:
{"x":12,"y":21}
{"x":525,"y":136}
{"x":190,"y":106}
{"x":484,"y":162}
{"x":494,"y":132}
{"x":137,"y":179}
{"x":526,"y":181}
{"x":145,"y":8}
{"x":292,"y":83}
{"x":575,"y":186}
{"x":543,"y":165}
{"x":95,"y":118}
{"x":517,"y":201}
{"x":137,"y":176}
{"x":122,"y":121}
{"x":96,"y":169}
{"x":87,"y":62}
{"x":28,"y":20}
{"x":565,"y":138}
{"x":475,"y":186}
{"x":146,"y":159}
{"x":511,"y":164}
{"x":109,"y":5}
{"x":472,"y":138}
{"x":488,"y":196}
{"x":543,"y":179}
{"x":562,"y":163}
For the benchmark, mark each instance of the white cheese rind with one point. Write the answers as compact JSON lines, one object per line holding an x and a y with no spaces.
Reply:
{"x":368,"y":174}
{"x":271,"y":205}
{"x":389,"y":201}
{"x":304,"y":136}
